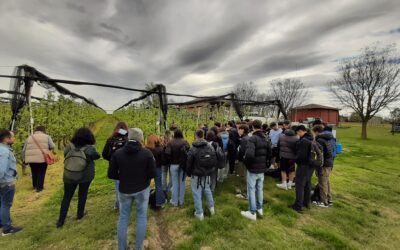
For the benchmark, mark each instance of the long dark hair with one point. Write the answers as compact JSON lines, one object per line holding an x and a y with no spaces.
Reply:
{"x":120,"y":125}
{"x":83,"y":137}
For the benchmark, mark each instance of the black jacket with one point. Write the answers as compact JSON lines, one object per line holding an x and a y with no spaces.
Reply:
{"x":303,"y":150}
{"x":173,"y":150}
{"x":325,"y":141}
{"x":258,"y":153}
{"x":134,"y":166}
{"x":192,"y":166}
{"x":242,"y":147}
{"x":108,"y":150}
{"x":287,"y":144}
{"x":158,"y":153}
{"x":89,"y":172}
{"x":235,"y":138}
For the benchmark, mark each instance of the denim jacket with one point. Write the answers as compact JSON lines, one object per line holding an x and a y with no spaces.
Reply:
{"x":8,"y":165}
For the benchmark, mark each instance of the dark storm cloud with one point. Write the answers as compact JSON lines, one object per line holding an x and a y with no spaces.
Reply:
{"x":193,"y":46}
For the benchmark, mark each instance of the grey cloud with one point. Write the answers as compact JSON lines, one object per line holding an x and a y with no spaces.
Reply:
{"x":76,"y":7}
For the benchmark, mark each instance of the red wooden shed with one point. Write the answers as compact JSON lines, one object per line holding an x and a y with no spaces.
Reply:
{"x":327,"y":114}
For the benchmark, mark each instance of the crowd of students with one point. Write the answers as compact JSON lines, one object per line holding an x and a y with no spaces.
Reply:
{"x":248,"y":149}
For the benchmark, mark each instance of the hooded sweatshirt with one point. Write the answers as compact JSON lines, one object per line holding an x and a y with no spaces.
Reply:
{"x":134,"y":166}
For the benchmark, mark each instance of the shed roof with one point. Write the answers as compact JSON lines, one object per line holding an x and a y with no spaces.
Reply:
{"x":315,"y":106}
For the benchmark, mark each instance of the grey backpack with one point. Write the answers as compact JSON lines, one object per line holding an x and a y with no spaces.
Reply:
{"x":75,"y":163}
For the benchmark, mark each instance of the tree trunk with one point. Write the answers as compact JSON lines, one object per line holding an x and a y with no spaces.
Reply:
{"x":364,"y":130}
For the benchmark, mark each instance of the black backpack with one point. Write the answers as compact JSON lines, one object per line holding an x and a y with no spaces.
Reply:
{"x":183,"y":155}
{"x":115,"y":143}
{"x":220,"y":155}
{"x":205,"y":161}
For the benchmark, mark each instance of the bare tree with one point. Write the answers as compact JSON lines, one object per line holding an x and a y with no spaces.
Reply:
{"x":290,"y":92}
{"x":245,"y":91}
{"x":368,"y":83}
{"x":151,"y":100}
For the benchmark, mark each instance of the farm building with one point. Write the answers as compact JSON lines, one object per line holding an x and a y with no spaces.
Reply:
{"x":327,"y":114}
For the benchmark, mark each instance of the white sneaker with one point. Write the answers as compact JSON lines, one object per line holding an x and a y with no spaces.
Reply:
{"x":272,"y":167}
{"x":199,"y":216}
{"x":260,"y":212}
{"x":249,"y":215}
{"x":282,"y":186}
{"x":212,"y":210}
{"x":291,"y":184}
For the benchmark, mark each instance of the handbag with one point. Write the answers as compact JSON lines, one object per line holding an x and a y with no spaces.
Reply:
{"x":48,"y":157}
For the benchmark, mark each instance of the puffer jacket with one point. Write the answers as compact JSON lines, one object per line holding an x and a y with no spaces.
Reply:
{"x":325,"y":141}
{"x":303,"y":150}
{"x":258,"y":153}
{"x":32,"y":153}
{"x":287,"y":144}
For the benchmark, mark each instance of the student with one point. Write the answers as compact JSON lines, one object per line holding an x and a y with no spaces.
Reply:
{"x":280,"y":125}
{"x":304,"y":169}
{"x":224,"y":135}
{"x":134,"y":166}
{"x":287,"y":151}
{"x":234,"y":140}
{"x":33,"y":152}
{"x":241,"y":168}
{"x":256,"y":158}
{"x":286,"y":125}
{"x":324,"y":139}
{"x":8,"y":179}
{"x":211,"y":139}
{"x":274,"y":136}
{"x":80,"y":153}
{"x":117,"y":140}
{"x":154,"y":145}
{"x":176,"y":152}
{"x":201,"y":163}
{"x":166,"y":173}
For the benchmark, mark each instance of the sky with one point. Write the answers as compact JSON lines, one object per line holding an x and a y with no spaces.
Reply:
{"x":192,"y":47}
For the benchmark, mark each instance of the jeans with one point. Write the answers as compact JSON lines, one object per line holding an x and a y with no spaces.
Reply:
{"x":178,"y":185}
{"x":116,"y":185}
{"x":38,"y":174}
{"x":166,"y":181}
{"x":201,"y":185}
{"x":213,"y":181}
{"x":255,"y":183}
{"x":160,"y":197}
{"x":303,"y":186}
{"x":125,"y":207}
{"x":6,"y":200}
{"x":69,"y":190}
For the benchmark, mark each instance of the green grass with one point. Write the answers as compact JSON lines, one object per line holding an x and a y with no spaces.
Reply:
{"x":366,"y":214}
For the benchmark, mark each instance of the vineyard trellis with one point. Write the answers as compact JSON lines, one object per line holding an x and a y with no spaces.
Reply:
{"x":68,"y":114}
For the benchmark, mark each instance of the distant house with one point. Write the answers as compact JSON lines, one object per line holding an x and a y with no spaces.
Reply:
{"x":327,"y":114}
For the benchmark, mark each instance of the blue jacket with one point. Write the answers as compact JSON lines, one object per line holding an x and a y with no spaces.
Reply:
{"x":8,"y":165}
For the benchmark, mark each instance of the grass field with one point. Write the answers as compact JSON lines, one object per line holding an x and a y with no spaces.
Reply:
{"x":366,"y":213}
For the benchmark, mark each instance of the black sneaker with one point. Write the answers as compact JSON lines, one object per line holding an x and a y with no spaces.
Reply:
{"x":300,"y":211}
{"x":12,"y":230}
{"x":59,"y":224}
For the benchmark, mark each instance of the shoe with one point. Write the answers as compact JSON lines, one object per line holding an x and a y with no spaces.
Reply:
{"x":330,"y":203}
{"x":81,"y":217}
{"x":291,"y":184}
{"x":300,"y":211}
{"x":282,"y":186}
{"x":212,"y":210}
{"x":322,"y":204}
{"x":260,"y":212}
{"x":199,"y":216}
{"x":59,"y":224}
{"x":272,"y":167}
{"x":12,"y":230}
{"x":241,"y":196}
{"x":248,"y":215}
{"x":39,"y":190}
